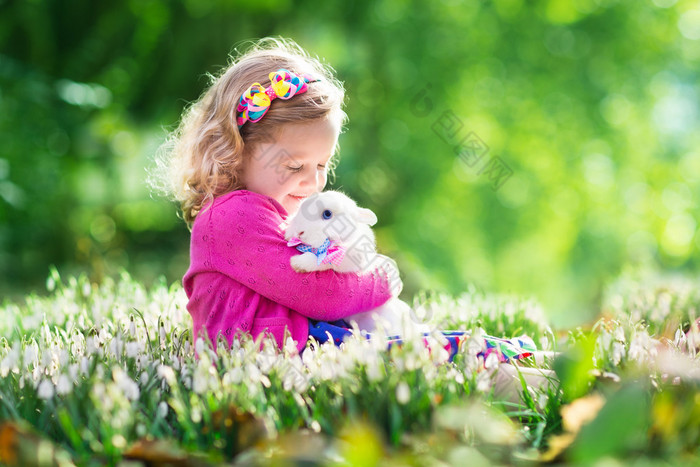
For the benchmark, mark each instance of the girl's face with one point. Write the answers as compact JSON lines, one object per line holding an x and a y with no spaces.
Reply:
{"x":294,"y":164}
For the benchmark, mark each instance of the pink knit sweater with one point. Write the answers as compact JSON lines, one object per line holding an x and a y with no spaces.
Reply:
{"x":240,"y":278}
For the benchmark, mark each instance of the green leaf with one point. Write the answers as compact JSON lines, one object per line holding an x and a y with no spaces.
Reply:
{"x":620,"y":428}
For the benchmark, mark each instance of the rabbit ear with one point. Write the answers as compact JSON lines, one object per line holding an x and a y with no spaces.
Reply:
{"x":365,"y":216}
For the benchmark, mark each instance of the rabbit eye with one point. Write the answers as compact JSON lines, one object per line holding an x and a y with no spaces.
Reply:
{"x":327,"y":214}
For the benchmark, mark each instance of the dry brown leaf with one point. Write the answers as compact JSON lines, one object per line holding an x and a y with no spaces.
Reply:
{"x":581,"y":411}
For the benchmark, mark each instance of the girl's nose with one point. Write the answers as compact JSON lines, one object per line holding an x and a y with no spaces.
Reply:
{"x":312,"y":178}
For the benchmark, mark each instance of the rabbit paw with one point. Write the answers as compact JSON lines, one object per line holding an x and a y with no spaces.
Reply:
{"x":305,"y":262}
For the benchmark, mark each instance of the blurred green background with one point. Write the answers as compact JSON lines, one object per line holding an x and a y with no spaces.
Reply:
{"x":591,"y":106}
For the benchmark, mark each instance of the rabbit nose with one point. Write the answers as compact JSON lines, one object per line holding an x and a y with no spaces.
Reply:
{"x":301,"y":233}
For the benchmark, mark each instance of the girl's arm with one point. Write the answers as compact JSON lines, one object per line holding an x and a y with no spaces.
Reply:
{"x":247,"y":244}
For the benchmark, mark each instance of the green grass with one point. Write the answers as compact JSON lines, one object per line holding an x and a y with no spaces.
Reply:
{"x":94,"y":375}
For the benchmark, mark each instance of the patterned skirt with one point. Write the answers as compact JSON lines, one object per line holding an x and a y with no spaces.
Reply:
{"x":505,"y":349}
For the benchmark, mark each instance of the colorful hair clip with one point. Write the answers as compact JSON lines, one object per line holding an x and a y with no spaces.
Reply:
{"x":256,"y":100}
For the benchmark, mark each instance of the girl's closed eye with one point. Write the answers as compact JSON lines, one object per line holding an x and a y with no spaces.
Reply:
{"x":298,"y":169}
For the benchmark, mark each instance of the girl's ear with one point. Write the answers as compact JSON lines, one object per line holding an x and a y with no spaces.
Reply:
{"x":365,"y":216}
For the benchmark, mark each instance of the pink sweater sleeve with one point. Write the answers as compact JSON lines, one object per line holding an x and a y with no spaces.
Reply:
{"x":247,"y":244}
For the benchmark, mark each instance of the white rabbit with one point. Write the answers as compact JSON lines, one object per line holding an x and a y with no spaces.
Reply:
{"x":334,"y":233}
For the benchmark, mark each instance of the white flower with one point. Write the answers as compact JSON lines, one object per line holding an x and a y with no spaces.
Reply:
{"x":73,"y":371}
{"x":45,"y":389}
{"x":31,"y":353}
{"x":127,"y":386}
{"x":618,"y":352}
{"x":483,"y":381}
{"x":491,"y":362}
{"x":266,"y":359}
{"x":374,"y":372}
{"x":132,"y":349}
{"x":294,"y":376}
{"x":679,"y":339}
{"x":403,"y":393}
{"x":116,"y":346}
{"x":290,"y":347}
{"x":199,"y":346}
{"x":162,"y":410}
{"x":63,"y":386}
{"x":167,"y":374}
{"x":63,"y":357}
{"x":46,"y":358}
{"x":91,"y":345}
{"x":233,"y":376}
{"x":200,"y":384}
{"x":84,"y":365}
{"x":619,"y":334}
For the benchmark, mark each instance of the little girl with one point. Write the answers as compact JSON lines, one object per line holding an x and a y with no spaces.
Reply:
{"x":261,"y":139}
{"x":243,"y":158}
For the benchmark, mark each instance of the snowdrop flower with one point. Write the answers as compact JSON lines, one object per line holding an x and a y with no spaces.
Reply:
{"x":37,"y":372}
{"x":233,"y":377}
{"x":374,"y":369}
{"x":84,"y":365}
{"x":403,"y":393}
{"x":9,"y":363}
{"x":205,"y":376}
{"x":458,"y":376}
{"x":73,"y":371}
{"x":294,"y":377}
{"x":46,"y":358}
{"x":199,"y":346}
{"x":162,"y":410}
{"x":31,"y":354}
{"x":619,"y":334}
{"x":63,"y":386}
{"x":116,"y":347}
{"x":45,"y":389}
{"x":63,"y":357}
{"x":327,"y":369}
{"x":290,"y":347}
{"x":167,"y":374}
{"x":132,"y":326}
{"x":483,"y":381}
{"x":491,"y":362}
{"x":103,"y":335}
{"x":100,"y":371}
{"x":679,"y":339}
{"x":132,"y":349}
{"x":618,"y":352}
{"x":125,"y":384}
{"x":267,"y":358}
{"x":91,"y":345}
{"x":86,"y":289}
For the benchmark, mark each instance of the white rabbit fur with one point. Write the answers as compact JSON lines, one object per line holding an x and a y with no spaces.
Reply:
{"x":348,"y":227}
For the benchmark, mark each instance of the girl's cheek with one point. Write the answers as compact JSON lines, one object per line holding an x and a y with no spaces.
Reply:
{"x":322,"y":180}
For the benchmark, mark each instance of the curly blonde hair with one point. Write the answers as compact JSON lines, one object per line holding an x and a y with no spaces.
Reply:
{"x":203,"y":158}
